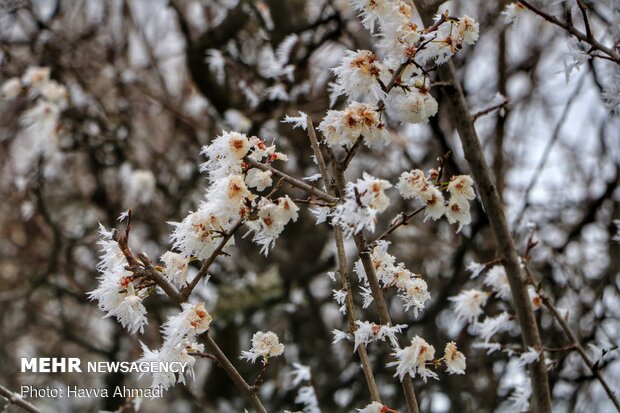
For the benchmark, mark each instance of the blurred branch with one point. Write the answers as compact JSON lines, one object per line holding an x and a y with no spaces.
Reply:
{"x":588,"y":37}
{"x":573,"y":340}
{"x":16,"y":400}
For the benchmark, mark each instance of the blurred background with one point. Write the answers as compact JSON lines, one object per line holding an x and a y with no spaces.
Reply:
{"x":149,"y":82}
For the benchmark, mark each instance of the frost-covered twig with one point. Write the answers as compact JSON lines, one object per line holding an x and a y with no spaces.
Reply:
{"x":207,"y":263}
{"x":345,"y":279}
{"x":293,"y":181}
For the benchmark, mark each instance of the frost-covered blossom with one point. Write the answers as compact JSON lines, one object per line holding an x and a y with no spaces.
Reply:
{"x":367,"y":332}
{"x":415,"y":293}
{"x":260,"y":150}
{"x":475,"y":268}
{"x":528,"y":357}
{"x":454,"y":359}
{"x":37,"y":137}
{"x":376,"y":407}
{"x":520,"y":397}
{"x":198,"y":235}
{"x":468,"y":29}
{"x":193,"y":320}
{"x":300,"y":121}
{"x":535,"y":299}
{"x":611,"y":94}
{"x":171,"y":352}
{"x":264,"y":345}
{"x":300,"y":373}
{"x":458,"y":212}
{"x":217,"y":64}
{"x":414,"y":184}
{"x":139,"y":185}
{"x":512,"y":12}
{"x":255,"y":178}
{"x":414,"y":106}
{"x":490,"y":326}
{"x":11,"y":88}
{"x":54,"y":92}
{"x":341,"y":127}
{"x":225,"y":154}
{"x":176,"y":266}
{"x":115,"y":293}
{"x":272,"y":218}
{"x":497,"y":280}
{"x":372,"y":11}
{"x":340,"y":297}
{"x":468,"y":304}
{"x":36,"y":77}
{"x":339,"y":335}
{"x":412,"y":360}
{"x":306,"y":396}
{"x":462,"y":186}
{"x":363,"y":201}
{"x":357,"y":76}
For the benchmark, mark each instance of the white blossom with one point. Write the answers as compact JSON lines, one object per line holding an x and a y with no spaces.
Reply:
{"x":264,"y":345}
{"x":300,"y":121}
{"x":115,"y":294}
{"x":454,"y":359}
{"x":357,"y":76}
{"x":520,"y":397}
{"x":367,"y":332}
{"x":528,"y":357}
{"x":176,"y":266}
{"x":412,"y":360}
{"x":11,"y":88}
{"x":512,"y":12}
{"x":363,"y":201}
{"x":475,"y":268}
{"x":340,"y":127}
{"x":255,"y":178}
{"x":490,"y":326}
{"x":497,"y":280}
{"x":468,"y":304}
{"x":414,"y":106}
{"x":300,"y":373}
{"x":272,"y":218}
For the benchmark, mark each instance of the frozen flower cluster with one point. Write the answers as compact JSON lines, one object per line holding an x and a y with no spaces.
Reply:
{"x":38,"y":135}
{"x":180,"y":339}
{"x":264,"y":345}
{"x":229,"y":198}
{"x":116,"y":294}
{"x":344,"y":127}
{"x":406,"y":49}
{"x":412,"y":289}
{"x":363,"y":200}
{"x":415,"y":184}
{"x":469,"y":305}
{"x":415,"y":360}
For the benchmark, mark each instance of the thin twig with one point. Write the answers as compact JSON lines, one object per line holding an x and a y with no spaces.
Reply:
{"x":572,"y":30}
{"x":488,"y":110}
{"x":16,"y":400}
{"x":207,"y":263}
{"x":345,"y":278}
{"x":293,"y":181}
{"x":403,"y":220}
